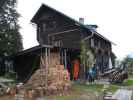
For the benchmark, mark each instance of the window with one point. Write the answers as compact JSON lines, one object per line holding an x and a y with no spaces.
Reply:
{"x":9,"y":66}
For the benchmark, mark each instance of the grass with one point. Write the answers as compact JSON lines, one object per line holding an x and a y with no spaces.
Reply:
{"x":112,"y":88}
{"x":130,"y":76}
{"x":89,"y":88}
{"x":132,"y":97}
{"x":59,"y":97}
{"x":128,"y":83}
{"x":79,"y":92}
{"x":71,"y":97}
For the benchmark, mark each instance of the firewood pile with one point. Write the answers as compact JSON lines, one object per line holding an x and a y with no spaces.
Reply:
{"x":58,"y":80}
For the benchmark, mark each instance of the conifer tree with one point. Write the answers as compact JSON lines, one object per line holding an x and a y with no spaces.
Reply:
{"x":10,"y":38}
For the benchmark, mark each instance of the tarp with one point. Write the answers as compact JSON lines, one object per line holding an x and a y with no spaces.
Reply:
{"x":75,"y":69}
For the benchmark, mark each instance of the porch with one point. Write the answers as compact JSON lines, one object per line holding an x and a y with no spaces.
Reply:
{"x":28,"y":61}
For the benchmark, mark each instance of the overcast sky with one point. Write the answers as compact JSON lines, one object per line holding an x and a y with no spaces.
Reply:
{"x":114,"y":18}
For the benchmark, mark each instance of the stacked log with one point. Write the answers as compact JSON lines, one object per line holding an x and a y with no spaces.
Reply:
{"x":58,"y":80}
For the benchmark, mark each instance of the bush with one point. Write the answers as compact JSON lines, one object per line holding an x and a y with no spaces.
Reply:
{"x":10,"y":75}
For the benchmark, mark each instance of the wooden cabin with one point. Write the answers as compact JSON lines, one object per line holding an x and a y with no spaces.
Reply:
{"x":57,"y":29}
{"x":61,"y":31}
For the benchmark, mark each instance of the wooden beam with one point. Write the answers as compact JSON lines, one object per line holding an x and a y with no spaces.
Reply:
{"x":52,"y":34}
{"x":88,"y":37}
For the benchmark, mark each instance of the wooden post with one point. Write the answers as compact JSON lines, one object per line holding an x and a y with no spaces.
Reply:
{"x":46,"y":70}
{"x":62,"y":57}
{"x":49,"y":55}
{"x":65,"y":56}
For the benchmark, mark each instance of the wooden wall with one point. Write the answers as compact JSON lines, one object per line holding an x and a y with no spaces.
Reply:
{"x":51,"y":23}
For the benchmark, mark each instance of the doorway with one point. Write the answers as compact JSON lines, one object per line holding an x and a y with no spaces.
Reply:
{"x":73,"y":63}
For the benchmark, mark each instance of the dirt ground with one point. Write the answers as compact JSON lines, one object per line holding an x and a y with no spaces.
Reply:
{"x":78,"y":92}
{"x":70,"y":97}
{"x":6,"y":98}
